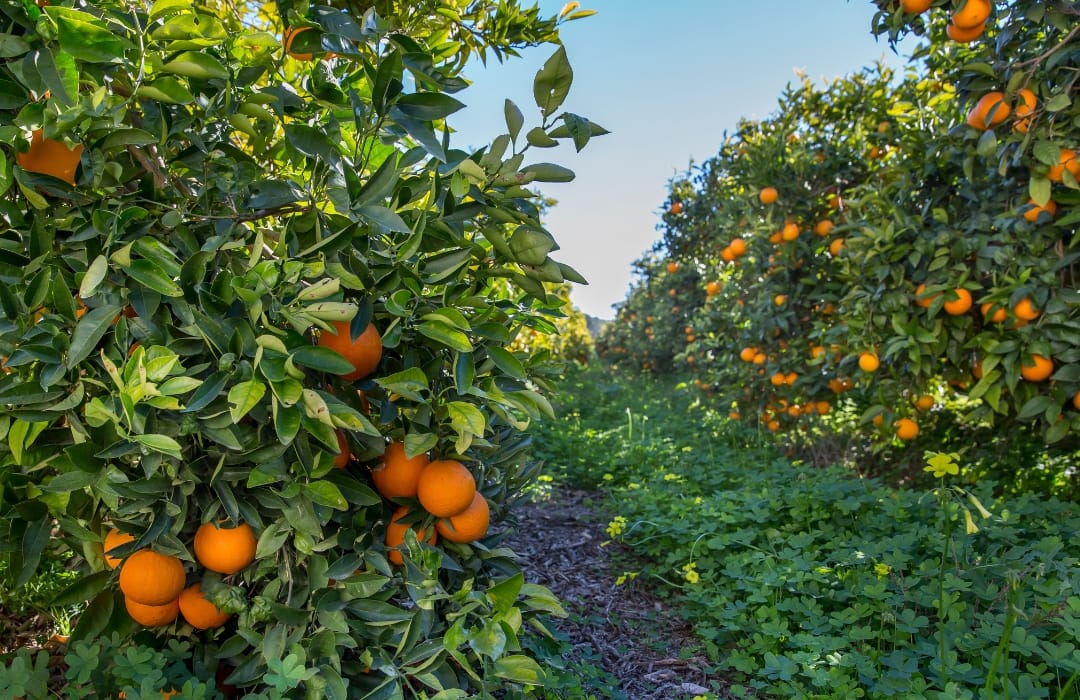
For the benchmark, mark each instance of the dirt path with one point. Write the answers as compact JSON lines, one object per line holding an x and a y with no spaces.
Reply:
{"x":623,"y":630}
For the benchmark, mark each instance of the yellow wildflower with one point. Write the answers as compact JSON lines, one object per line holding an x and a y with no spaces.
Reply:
{"x":882,"y":570}
{"x":615,"y":527}
{"x":942,"y":464}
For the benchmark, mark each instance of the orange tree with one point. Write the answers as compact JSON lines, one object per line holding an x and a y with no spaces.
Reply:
{"x":239,"y":257}
{"x":909,"y":242}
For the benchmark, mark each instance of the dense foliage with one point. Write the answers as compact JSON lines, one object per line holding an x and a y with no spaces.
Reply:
{"x":810,"y":583}
{"x":887,"y":243}
{"x":210,"y":213}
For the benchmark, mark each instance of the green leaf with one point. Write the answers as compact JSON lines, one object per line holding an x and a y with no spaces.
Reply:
{"x":539,"y":138}
{"x":1046,"y":152}
{"x":419,"y":443}
{"x":159,"y":443}
{"x":408,"y":383}
{"x":1035,"y":406}
{"x":321,"y":359}
{"x":1039,"y":189}
{"x":243,"y":397}
{"x":95,"y":273}
{"x":519,"y":669}
{"x":552,"y":82}
{"x":386,"y":218}
{"x":466,"y":418}
{"x":195,"y":64}
{"x":37,"y":535}
{"x":503,"y":594}
{"x":428,"y":106}
{"x":514,"y":119}
{"x":95,"y":618}
{"x":59,"y":72}
{"x":167,"y":90}
{"x":326,"y":494}
{"x":148,"y":274}
{"x":548,"y":172}
{"x":86,"y":37}
{"x":530,"y":246}
{"x":505,"y":360}
{"x":81,"y":590}
{"x":89,"y":331}
{"x":1058,"y":103}
{"x":447,"y":335}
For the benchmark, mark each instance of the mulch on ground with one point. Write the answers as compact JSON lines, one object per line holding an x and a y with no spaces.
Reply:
{"x":624,"y":630}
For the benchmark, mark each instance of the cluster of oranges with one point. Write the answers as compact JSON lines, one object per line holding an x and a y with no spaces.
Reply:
{"x":965,"y":24}
{"x":155,"y":585}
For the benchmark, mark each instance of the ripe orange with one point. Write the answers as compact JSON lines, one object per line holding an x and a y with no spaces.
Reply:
{"x":734,"y":415}
{"x":199,"y":612}
{"x":773,"y":425}
{"x":816,"y":351}
{"x":915,"y":7}
{"x":779,"y":299}
{"x":868,"y":362}
{"x":712,"y":289}
{"x":1067,"y":161}
{"x":997,"y":316}
{"x":395,"y":476}
{"x":673,"y":267}
{"x":1076,"y":401}
{"x":224,"y":550}
{"x":395,"y":535}
{"x":963,"y":35}
{"x":343,"y":455}
{"x":777,"y":379}
{"x":727,"y":255}
{"x":906,"y":429}
{"x":50,"y":157}
{"x":790,"y":232}
{"x":822,"y":407}
{"x":151,"y":578}
{"x":738,"y":247}
{"x":1025,"y":310}
{"x":1034,"y":210}
{"x":469,"y":525}
{"x":114,"y":538}
{"x":878,"y":419}
{"x":768,"y":195}
{"x":776,"y":237}
{"x":961,"y":304}
{"x":152,"y":615}
{"x":1039,"y":369}
{"x":823,"y":228}
{"x":972,"y":14}
{"x":836,"y":246}
{"x":363,"y":353}
{"x":747,"y":354}
{"x":791,"y":378}
{"x":924,"y":402}
{"x":1024,"y":109}
{"x":989,"y":111}
{"x":922,"y":298}
{"x":759,"y":358}
{"x":676,"y":208}
{"x":446,"y":488}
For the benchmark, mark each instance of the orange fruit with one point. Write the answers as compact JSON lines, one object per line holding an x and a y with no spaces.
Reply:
{"x":446,"y":488}
{"x":50,"y":157}
{"x":469,"y":525}
{"x":395,"y":535}
{"x":151,"y":578}
{"x":989,"y":111}
{"x":747,"y":354}
{"x":738,"y":247}
{"x":676,"y":208}
{"x":963,"y":35}
{"x":822,"y":407}
{"x":773,"y":425}
{"x":1067,"y":161}
{"x":777,"y":379}
{"x":1076,"y":401}
{"x":712,"y":289}
{"x":363,"y":353}
{"x":823,"y":227}
{"x":997,"y":316}
{"x":915,"y":7}
{"x":817,"y":351}
{"x":287,"y":39}
{"x":199,"y":612}
{"x":906,"y":429}
{"x":924,"y":402}
{"x":791,"y":378}
{"x":1039,"y":369}
{"x":152,"y":615}
{"x":727,"y":255}
{"x":395,"y":476}
{"x":1025,"y":310}
{"x":868,"y":362}
{"x":922,"y":298}
{"x":1024,"y":109}
{"x":779,"y":299}
{"x":224,"y":550}
{"x":960,"y":305}
{"x":1034,"y":210}
{"x":836,"y":246}
{"x":759,"y":358}
{"x":343,"y":455}
{"x":673,"y":267}
{"x":972,"y":14}
{"x":790,"y":232}
{"x":734,"y":415}
{"x":768,"y":195}
{"x":114,"y":538}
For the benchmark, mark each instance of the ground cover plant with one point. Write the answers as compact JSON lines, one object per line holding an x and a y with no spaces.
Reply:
{"x":257,"y":321}
{"x":807,"y":582}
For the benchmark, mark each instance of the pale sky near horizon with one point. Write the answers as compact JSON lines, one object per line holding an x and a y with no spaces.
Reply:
{"x":667,"y":79}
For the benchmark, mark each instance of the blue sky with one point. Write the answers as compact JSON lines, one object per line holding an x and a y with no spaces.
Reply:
{"x":667,"y":79}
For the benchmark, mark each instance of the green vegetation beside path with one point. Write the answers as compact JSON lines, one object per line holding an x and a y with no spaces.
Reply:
{"x":811,"y":582}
